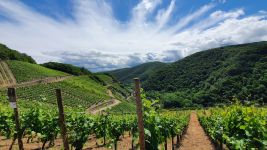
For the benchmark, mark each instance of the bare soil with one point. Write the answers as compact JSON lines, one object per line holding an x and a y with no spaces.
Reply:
{"x":195,"y":137}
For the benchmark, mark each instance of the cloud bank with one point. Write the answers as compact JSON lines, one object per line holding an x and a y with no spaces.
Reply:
{"x":98,"y":41}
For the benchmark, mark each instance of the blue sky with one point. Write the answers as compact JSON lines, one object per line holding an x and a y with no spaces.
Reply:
{"x":110,"y":34}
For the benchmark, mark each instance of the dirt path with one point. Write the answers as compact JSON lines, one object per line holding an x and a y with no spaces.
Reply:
{"x":195,"y":137}
{"x":104,"y":105}
{"x":44,"y":80}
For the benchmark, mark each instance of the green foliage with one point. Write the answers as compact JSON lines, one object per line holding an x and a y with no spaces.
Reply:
{"x":80,"y":127}
{"x":116,"y":129}
{"x":142,"y":71}
{"x":123,"y":107}
{"x":7,"y":124}
{"x":49,"y":126}
{"x":9,"y":54}
{"x":175,"y":99}
{"x":68,"y":68}
{"x":239,"y":127}
{"x":24,"y":71}
{"x":41,"y":120}
{"x":101,"y":126}
{"x":160,"y":127}
{"x":214,"y":76}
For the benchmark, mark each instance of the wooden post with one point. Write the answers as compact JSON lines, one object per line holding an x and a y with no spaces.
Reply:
{"x":166,"y":144}
{"x":13,"y":103}
{"x":139,"y":114}
{"x":62,"y":120}
{"x":172,"y":142}
{"x":177,"y":140}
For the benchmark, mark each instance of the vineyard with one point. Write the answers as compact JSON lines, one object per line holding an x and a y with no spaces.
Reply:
{"x":78,"y":92}
{"x":41,"y":125}
{"x":24,"y":71}
{"x":239,"y":127}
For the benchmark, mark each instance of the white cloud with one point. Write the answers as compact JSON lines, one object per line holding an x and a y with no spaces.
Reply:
{"x":163,"y":16}
{"x":95,"y":39}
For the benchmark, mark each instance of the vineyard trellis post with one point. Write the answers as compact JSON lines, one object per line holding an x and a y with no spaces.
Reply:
{"x":139,"y":114}
{"x":11,"y":92}
{"x":62,"y":120}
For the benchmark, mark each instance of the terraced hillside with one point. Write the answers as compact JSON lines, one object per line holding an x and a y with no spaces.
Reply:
{"x":6,"y":76}
{"x":24,"y":71}
{"x":78,"y":91}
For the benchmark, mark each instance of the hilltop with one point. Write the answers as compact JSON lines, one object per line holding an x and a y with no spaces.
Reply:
{"x":10,"y":54}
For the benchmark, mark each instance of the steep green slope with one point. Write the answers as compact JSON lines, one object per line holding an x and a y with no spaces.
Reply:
{"x":214,"y":76}
{"x":107,"y":78}
{"x":119,"y":91}
{"x":142,"y":71}
{"x":9,"y":54}
{"x":24,"y":71}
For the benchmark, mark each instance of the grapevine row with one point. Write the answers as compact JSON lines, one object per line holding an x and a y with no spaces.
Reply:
{"x":43,"y":124}
{"x":239,"y":127}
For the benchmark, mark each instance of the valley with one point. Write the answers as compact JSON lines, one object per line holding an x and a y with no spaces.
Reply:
{"x":214,"y":98}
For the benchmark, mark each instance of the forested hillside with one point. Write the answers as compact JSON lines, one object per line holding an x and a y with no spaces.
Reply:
{"x":71,"y":69}
{"x":142,"y":71}
{"x":213,"y":76}
{"x":9,"y":54}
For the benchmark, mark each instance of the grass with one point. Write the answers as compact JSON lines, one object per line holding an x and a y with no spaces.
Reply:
{"x":24,"y":71}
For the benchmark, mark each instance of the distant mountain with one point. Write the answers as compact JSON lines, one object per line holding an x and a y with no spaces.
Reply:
{"x":142,"y":71}
{"x":9,"y":54}
{"x":212,"y":76}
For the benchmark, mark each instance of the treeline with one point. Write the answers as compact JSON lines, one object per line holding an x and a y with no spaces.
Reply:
{"x":212,"y":77}
{"x":9,"y":54}
{"x":68,"y":68}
